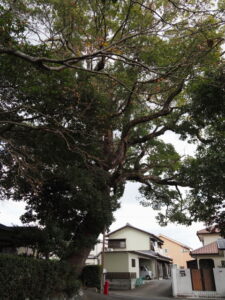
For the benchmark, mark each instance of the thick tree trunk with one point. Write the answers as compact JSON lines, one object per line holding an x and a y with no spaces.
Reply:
{"x":78,"y":258}
{"x":89,"y":230}
{"x":85,"y":239}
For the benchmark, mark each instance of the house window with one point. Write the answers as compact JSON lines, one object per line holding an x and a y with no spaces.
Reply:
{"x":184,"y":250}
{"x":152,"y":245}
{"x":117,"y":243}
{"x":133,"y":263}
{"x":165,"y":251}
{"x":223,"y":263}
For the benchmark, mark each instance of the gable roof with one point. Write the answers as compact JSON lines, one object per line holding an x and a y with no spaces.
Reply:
{"x":138,"y":229}
{"x":3,"y":227}
{"x":211,"y":248}
{"x":174,"y":241}
{"x":209,"y":230}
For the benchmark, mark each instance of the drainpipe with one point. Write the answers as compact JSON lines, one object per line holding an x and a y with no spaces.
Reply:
{"x":198,"y":264}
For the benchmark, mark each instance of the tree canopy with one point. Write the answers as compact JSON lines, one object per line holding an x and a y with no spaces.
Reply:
{"x":87,"y":90}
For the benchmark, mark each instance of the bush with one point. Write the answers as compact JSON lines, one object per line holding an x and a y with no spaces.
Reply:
{"x":24,"y":277}
{"x":91,"y":276}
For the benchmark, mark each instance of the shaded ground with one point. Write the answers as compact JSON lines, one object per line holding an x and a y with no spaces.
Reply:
{"x":153,"y":290}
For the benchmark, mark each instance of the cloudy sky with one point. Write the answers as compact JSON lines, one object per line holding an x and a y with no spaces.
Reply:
{"x":130,"y":211}
{"x":144,"y":218}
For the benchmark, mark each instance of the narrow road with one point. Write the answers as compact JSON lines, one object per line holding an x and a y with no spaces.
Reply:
{"x":154,"y":289}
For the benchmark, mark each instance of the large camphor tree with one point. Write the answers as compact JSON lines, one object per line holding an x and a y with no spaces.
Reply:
{"x":87,"y":89}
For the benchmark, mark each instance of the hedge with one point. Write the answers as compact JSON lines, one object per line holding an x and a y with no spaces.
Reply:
{"x":27,"y":278}
{"x":91,"y":276}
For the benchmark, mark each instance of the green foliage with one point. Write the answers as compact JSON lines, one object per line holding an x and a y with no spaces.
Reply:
{"x":22,"y":278}
{"x":91,"y":276}
{"x":129,"y":71}
{"x":204,"y":174}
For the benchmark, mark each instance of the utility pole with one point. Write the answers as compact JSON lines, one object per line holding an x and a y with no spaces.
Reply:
{"x":103,"y":262}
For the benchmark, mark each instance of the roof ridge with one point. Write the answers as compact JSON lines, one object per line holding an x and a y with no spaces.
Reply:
{"x":175,"y":241}
{"x":131,"y":226}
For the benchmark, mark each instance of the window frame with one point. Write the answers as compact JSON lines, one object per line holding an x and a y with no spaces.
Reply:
{"x":117,"y":243}
{"x":133,"y":262}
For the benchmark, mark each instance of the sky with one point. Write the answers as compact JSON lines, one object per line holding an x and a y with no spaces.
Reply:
{"x":131,"y":210}
{"x":144,"y":218}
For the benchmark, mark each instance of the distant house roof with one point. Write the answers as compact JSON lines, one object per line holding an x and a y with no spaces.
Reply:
{"x":18,"y":236}
{"x":207,"y":249}
{"x":130,"y":226}
{"x":209,"y":230}
{"x":3,"y":227}
{"x":174,"y":241}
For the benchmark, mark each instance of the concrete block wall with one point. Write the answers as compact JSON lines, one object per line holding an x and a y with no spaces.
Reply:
{"x":122,"y":284}
{"x":182,"y":286}
{"x":219,"y":275}
{"x":181,"y":282}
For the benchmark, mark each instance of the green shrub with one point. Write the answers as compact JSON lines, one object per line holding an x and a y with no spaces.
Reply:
{"x":24,"y":277}
{"x":91,"y":276}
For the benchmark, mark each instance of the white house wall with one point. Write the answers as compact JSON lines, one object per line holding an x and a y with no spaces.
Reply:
{"x":116,"y":262}
{"x":136,"y":268}
{"x":135,"y":240}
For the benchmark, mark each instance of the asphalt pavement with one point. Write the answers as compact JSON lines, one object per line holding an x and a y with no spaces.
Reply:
{"x":153,"y":290}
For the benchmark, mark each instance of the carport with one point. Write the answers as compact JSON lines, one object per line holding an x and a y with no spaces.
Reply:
{"x":159,"y":265}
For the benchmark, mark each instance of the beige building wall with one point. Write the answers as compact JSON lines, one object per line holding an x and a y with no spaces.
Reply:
{"x":116,"y":262}
{"x":177,"y":252}
{"x":217,"y":259}
{"x":209,"y":238}
{"x":135,"y":240}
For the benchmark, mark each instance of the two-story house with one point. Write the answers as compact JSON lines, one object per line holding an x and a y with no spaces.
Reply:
{"x":176,"y":250}
{"x":212,"y":254}
{"x":130,"y":250}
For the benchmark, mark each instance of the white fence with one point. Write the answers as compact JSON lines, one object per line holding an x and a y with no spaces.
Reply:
{"x":182,"y":285}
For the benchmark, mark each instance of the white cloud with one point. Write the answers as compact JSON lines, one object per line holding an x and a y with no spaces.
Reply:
{"x":10,"y":212}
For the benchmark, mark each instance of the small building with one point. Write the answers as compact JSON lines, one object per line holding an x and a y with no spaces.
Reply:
{"x":212,"y":253}
{"x":209,"y":234}
{"x":177,"y":251}
{"x":133,"y":252}
{"x":205,"y":276}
